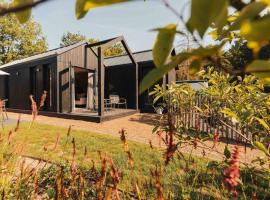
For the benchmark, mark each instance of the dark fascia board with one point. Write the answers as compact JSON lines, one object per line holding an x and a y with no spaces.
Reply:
{"x":110,"y":42}
{"x":32,"y":63}
{"x":101,"y":43}
{"x":128,"y":50}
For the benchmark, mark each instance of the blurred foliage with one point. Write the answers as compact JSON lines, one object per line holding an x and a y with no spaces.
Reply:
{"x":20,"y":40}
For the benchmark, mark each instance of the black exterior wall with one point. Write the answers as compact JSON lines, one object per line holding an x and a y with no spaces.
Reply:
{"x":19,"y":84}
{"x":119,"y":80}
{"x":55,"y":74}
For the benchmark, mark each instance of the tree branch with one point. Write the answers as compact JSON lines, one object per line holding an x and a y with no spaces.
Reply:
{"x":172,"y":9}
{"x":4,"y":10}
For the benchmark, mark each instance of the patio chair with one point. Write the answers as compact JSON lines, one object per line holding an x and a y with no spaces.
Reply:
{"x":117,"y":101}
{"x":108,"y":104}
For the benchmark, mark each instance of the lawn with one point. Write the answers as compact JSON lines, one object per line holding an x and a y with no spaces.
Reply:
{"x":178,"y":180}
{"x":33,"y":140}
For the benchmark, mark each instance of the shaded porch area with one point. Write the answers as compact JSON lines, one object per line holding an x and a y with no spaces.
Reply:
{"x":94,"y":91}
{"x":114,"y":86}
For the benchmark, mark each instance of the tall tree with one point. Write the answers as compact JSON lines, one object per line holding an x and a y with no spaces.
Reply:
{"x":70,"y":38}
{"x":20,"y":40}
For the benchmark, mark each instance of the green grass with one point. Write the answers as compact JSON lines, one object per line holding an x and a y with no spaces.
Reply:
{"x":193,"y":183}
{"x":34,"y":139}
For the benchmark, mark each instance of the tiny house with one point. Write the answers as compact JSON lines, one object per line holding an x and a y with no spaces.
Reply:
{"x":78,"y":79}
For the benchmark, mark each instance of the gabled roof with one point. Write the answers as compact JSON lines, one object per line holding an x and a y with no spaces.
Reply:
{"x":141,"y":56}
{"x":48,"y":54}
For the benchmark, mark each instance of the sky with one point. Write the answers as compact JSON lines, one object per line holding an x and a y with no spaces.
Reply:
{"x":133,"y":20}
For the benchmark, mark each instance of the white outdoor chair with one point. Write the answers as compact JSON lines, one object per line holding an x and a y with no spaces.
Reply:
{"x":117,"y":101}
{"x":108,"y":104}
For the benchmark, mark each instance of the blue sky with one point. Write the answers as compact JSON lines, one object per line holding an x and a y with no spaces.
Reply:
{"x":133,"y":20}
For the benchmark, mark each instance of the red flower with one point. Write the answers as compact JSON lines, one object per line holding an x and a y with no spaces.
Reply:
{"x":231,"y":174}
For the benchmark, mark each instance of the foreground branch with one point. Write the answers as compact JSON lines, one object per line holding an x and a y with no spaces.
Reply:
{"x":4,"y":10}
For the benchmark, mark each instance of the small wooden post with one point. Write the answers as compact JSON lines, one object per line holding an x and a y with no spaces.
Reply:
{"x":100,"y":82}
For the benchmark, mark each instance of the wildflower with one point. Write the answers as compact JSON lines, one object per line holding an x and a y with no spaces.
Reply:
{"x":157,"y":178}
{"x":126,"y":149}
{"x":43,"y":99}
{"x":254,"y":196}
{"x":34,"y":107}
{"x":216,"y":137}
{"x":151,"y":145}
{"x":123,"y":138}
{"x":114,"y":174}
{"x":231,"y":174}
{"x":73,"y":169}
{"x":56,"y":142}
{"x":18,"y":124}
{"x":82,"y":185}
{"x":195,"y":143}
{"x":203,"y":153}
{"x":10,"y":134}
{"x":160,"y":136}
{"x":130,"y":159}
{"x":73,"y":147}
{"x":100,"y":180}
{"x":85,"y":151}
{"x":69,"y":130}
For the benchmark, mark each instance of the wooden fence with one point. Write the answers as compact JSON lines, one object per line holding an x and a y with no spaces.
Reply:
{"x":191,"y":117}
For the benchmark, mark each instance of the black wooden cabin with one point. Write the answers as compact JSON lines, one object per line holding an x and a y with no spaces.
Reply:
{"x":79,"y":72}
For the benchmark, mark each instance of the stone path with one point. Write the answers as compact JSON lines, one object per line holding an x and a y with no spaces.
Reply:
{"x":139,"y":128}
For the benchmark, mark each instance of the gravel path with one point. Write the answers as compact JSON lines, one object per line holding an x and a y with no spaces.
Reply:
{"x":139,"y":128}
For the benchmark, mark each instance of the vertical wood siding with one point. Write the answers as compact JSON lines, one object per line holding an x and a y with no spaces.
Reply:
{"x":74,"y":57}
{"x":19,"y":85}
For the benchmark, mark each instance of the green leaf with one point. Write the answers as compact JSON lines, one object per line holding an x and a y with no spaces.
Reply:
{"x":249,"y":12}
{"x":212,"y":165}
{"x":155,"y":129}
{"x":206,"y":12}
{"x":229,"y":113}
{"x":227,"y":152}
{"x":260,"y":146}
{"x":22,"y":16}
{"x":163,"y":45}
{"x":258,"y":66}
{"x":157,"y":73}
{"x":263,"y":123}
{"x":194,"y":67}
{"x":199,"y":109}
{"x":257,"y":30}
{"x":83,"y":6}
{"x":261,"y":69}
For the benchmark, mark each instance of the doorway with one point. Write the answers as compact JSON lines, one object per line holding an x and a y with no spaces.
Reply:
{"x":83,"y":88}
